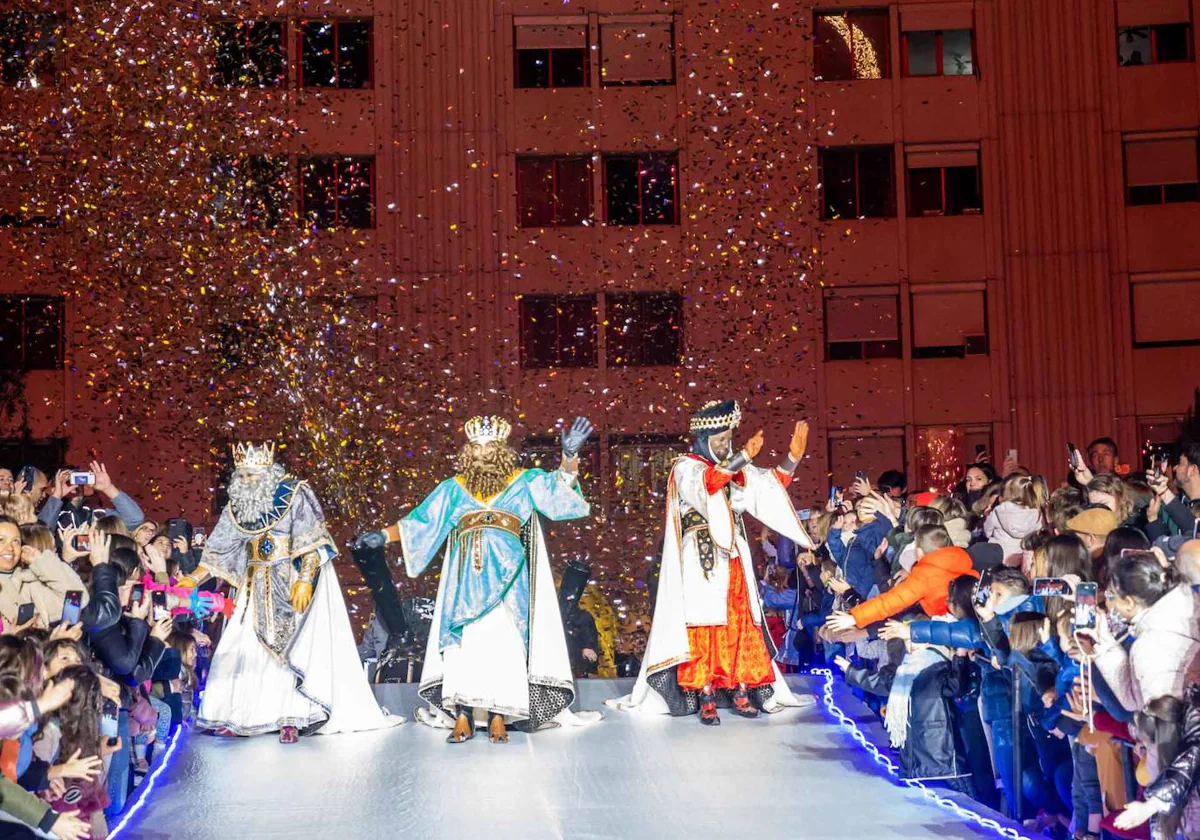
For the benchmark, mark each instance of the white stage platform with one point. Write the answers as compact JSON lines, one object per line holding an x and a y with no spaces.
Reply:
{"x":796,"y":774}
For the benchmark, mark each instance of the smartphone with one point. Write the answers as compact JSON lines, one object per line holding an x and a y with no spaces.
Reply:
{"x":834,"y":492}
{"x":805,"y":514}
{"x":71,"y":604}
{"x":24,"y":613}
{"x":1012,"y":456}
{"x":1138,"y":553}
{"x":198,"y":537}
{"x":1072,"y":457}
{"x":159,"y":600}
{"x":177,"y":528}
{"x":983,"y":589}
{"x":1051,"y":587}
{"x":136,"y":595}
{"x":1085,"y":607}
{"x":82,"y":542}
{"x":861,"y":474}
{"x":980,"y":451}
{"x":28,"y":475}
{"x":80,"y":479}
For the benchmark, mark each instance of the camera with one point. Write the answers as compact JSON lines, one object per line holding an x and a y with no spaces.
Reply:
{"x":82,"y":479}
{"x":1085,"y":607}
{"x":1051,"y":587}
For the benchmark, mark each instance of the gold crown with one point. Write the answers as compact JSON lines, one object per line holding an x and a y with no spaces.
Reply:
{"x":249,"y":455}
{"x":728,"y":420}
{"x":487,"y":429}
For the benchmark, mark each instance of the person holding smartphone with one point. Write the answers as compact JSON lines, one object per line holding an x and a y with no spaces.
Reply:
{"x":40,"y":579}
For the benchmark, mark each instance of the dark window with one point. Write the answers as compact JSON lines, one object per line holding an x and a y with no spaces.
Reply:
{"x":31,"y":332}
{"x":249,"y":53}
{"x":941,"y":53}
{"x":558,"y":331}
{"x":643,"y":329}
{"x":28,"y":47}
{"x":637,"y":52}
{"x":944,"y":191}
{"x":949,"y":324}
{"x":554,"y":191}
{"x":552,"y":55}
{"x":857,"y":182}
{"x":1161,"y":171}
{"x":862,"y":327}
{"x":337,"y":192}
{"x":335,"y":53}
{"x":852,"y":45}
{"x":250,"y":190}
{"x":1160,"y":44}
{"x":47,"y":455}
{"x":642,"y":189}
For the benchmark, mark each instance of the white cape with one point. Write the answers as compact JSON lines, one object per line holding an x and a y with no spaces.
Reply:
{"x":547,"y":665}
{"x":763,"y":497}
{"x":250,"y":692}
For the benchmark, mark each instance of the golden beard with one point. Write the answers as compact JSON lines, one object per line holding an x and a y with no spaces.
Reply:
{"x":486,"y":469}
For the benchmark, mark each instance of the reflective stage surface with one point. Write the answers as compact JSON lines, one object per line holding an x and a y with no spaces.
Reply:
{"x":795,"y":774}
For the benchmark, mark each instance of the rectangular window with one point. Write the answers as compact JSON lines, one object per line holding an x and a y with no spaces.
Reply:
{"x":642,"y":189}
{"x":1163,"y":43}
{"x":1161,"y":170}
{"x":249,"y":53}
{"x":552,"y":55}
{"x":857,"y":182}
{"x":938,"y":53}
{"x":48,"y":455}
{"x":870,"y":450}
{"x":337,"y":192}
{"x":641,"y":467}
{"x":29,"y":43}
{"x":944,"y":183}
{"x":634,"y":52}
{"x":943,"y":453}
{"x":949,"y":324}
{"x":250,"y":190}
{"x":31,"y":332}
{"x":852,"y":45}
{"x":336,"y":53}
{"x":554,"y":191}
{"x":558,"y":331}
{"x":862,"y":325}
{"x":1163,"y":312}
{"x":643,"y":328}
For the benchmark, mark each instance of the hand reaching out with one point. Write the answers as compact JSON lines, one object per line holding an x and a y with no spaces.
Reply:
{"x":840,"y":621}
{"x":754,"y":445}
{"x":799,"y":442}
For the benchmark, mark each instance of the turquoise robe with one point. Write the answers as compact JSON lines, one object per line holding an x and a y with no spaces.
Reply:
{"x":472,"y":589}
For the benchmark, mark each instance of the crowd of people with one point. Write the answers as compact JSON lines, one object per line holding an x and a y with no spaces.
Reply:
{"x":100,"y":650}
{"x":1031,"y":642}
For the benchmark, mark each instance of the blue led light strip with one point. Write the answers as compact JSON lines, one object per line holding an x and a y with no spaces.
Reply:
{"x":885,"y":761}
{"x":143,"y":791}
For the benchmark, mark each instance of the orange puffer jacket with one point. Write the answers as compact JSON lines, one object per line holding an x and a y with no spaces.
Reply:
{"x":927,"y":584}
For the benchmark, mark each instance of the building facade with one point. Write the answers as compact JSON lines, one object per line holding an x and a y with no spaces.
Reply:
{"x":928,"y":227}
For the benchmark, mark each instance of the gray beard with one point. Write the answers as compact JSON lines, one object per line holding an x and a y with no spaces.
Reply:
{"x":251,"y":501}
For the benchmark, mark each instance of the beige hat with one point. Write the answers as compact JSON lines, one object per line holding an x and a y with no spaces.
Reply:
{"x":1098,"y":522}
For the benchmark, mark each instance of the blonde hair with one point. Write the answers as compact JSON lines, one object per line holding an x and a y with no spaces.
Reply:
{"x":1028,"y":491}
{"x":37,"y":536}
{"x":1122,"y":493}
{"x":111,"y":525}
{"x":819,"y":524}
{"x":19,"y":508}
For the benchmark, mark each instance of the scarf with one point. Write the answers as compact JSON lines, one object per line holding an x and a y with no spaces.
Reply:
{"x":899,"y":703}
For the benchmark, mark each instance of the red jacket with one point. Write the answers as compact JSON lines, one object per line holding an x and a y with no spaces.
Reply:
{"x":927,"y":584}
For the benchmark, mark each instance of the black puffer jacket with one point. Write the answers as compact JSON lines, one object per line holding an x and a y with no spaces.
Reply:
{"x":1177,"y":781}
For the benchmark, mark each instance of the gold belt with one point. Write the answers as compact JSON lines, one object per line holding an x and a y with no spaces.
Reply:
{"x":477,"y":519}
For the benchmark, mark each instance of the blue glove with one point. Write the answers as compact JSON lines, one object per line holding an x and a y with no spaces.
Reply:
{"x":575,"y":437}
{"x":200,"y":604}
{"x":371,"y":539}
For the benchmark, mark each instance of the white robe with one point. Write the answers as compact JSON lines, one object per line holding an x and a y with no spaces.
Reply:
{"x":250,"y":692}
{"x":685,"y":596}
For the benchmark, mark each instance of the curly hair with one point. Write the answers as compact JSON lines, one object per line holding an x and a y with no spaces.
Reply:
{"x":79,"y":719}
{"x":486,"y":468}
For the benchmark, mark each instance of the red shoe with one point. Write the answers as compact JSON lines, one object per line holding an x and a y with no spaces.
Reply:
{"x":289,"y":735}
{"x":226,"y":733}
{"x":708,"y":708}
{"x":742,"y":705}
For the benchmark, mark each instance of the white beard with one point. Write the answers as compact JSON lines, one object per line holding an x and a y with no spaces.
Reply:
{"x":252,"y":500}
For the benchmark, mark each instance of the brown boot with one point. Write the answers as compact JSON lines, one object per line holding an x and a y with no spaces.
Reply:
{"x":464,"y":727}
{"x":497,"y":731}
{"x":708,"y":707}
{"x":289,"y":735}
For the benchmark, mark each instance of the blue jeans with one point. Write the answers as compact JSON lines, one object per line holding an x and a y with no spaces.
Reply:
{"x":1086,"y":797}
{"x":118,"y":769}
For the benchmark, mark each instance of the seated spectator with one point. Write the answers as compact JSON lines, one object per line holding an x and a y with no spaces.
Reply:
{"x":938,"y":562}
{"x":31,"y":577}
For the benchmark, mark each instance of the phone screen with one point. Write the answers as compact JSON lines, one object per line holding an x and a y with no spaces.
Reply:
{"x":1085,"y":606}
{"x":70,"y":612}
{"x":983,"y":589}
{"x":136,"y":595}
{"x":1051,"y":587}
{"x":1071,"y":458}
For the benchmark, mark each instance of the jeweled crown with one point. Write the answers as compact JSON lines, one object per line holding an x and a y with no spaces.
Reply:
{"x":249,"y":455}
{"x":487,"y":429}
{"x":716,"y":415}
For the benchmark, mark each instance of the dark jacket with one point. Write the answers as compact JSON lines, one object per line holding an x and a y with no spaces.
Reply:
{"x":127,"y":650}
{"x":104,"y":605}
{"x":1176,"y":782}
{"x":933,"y":748}
{"x":860,"y":564}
